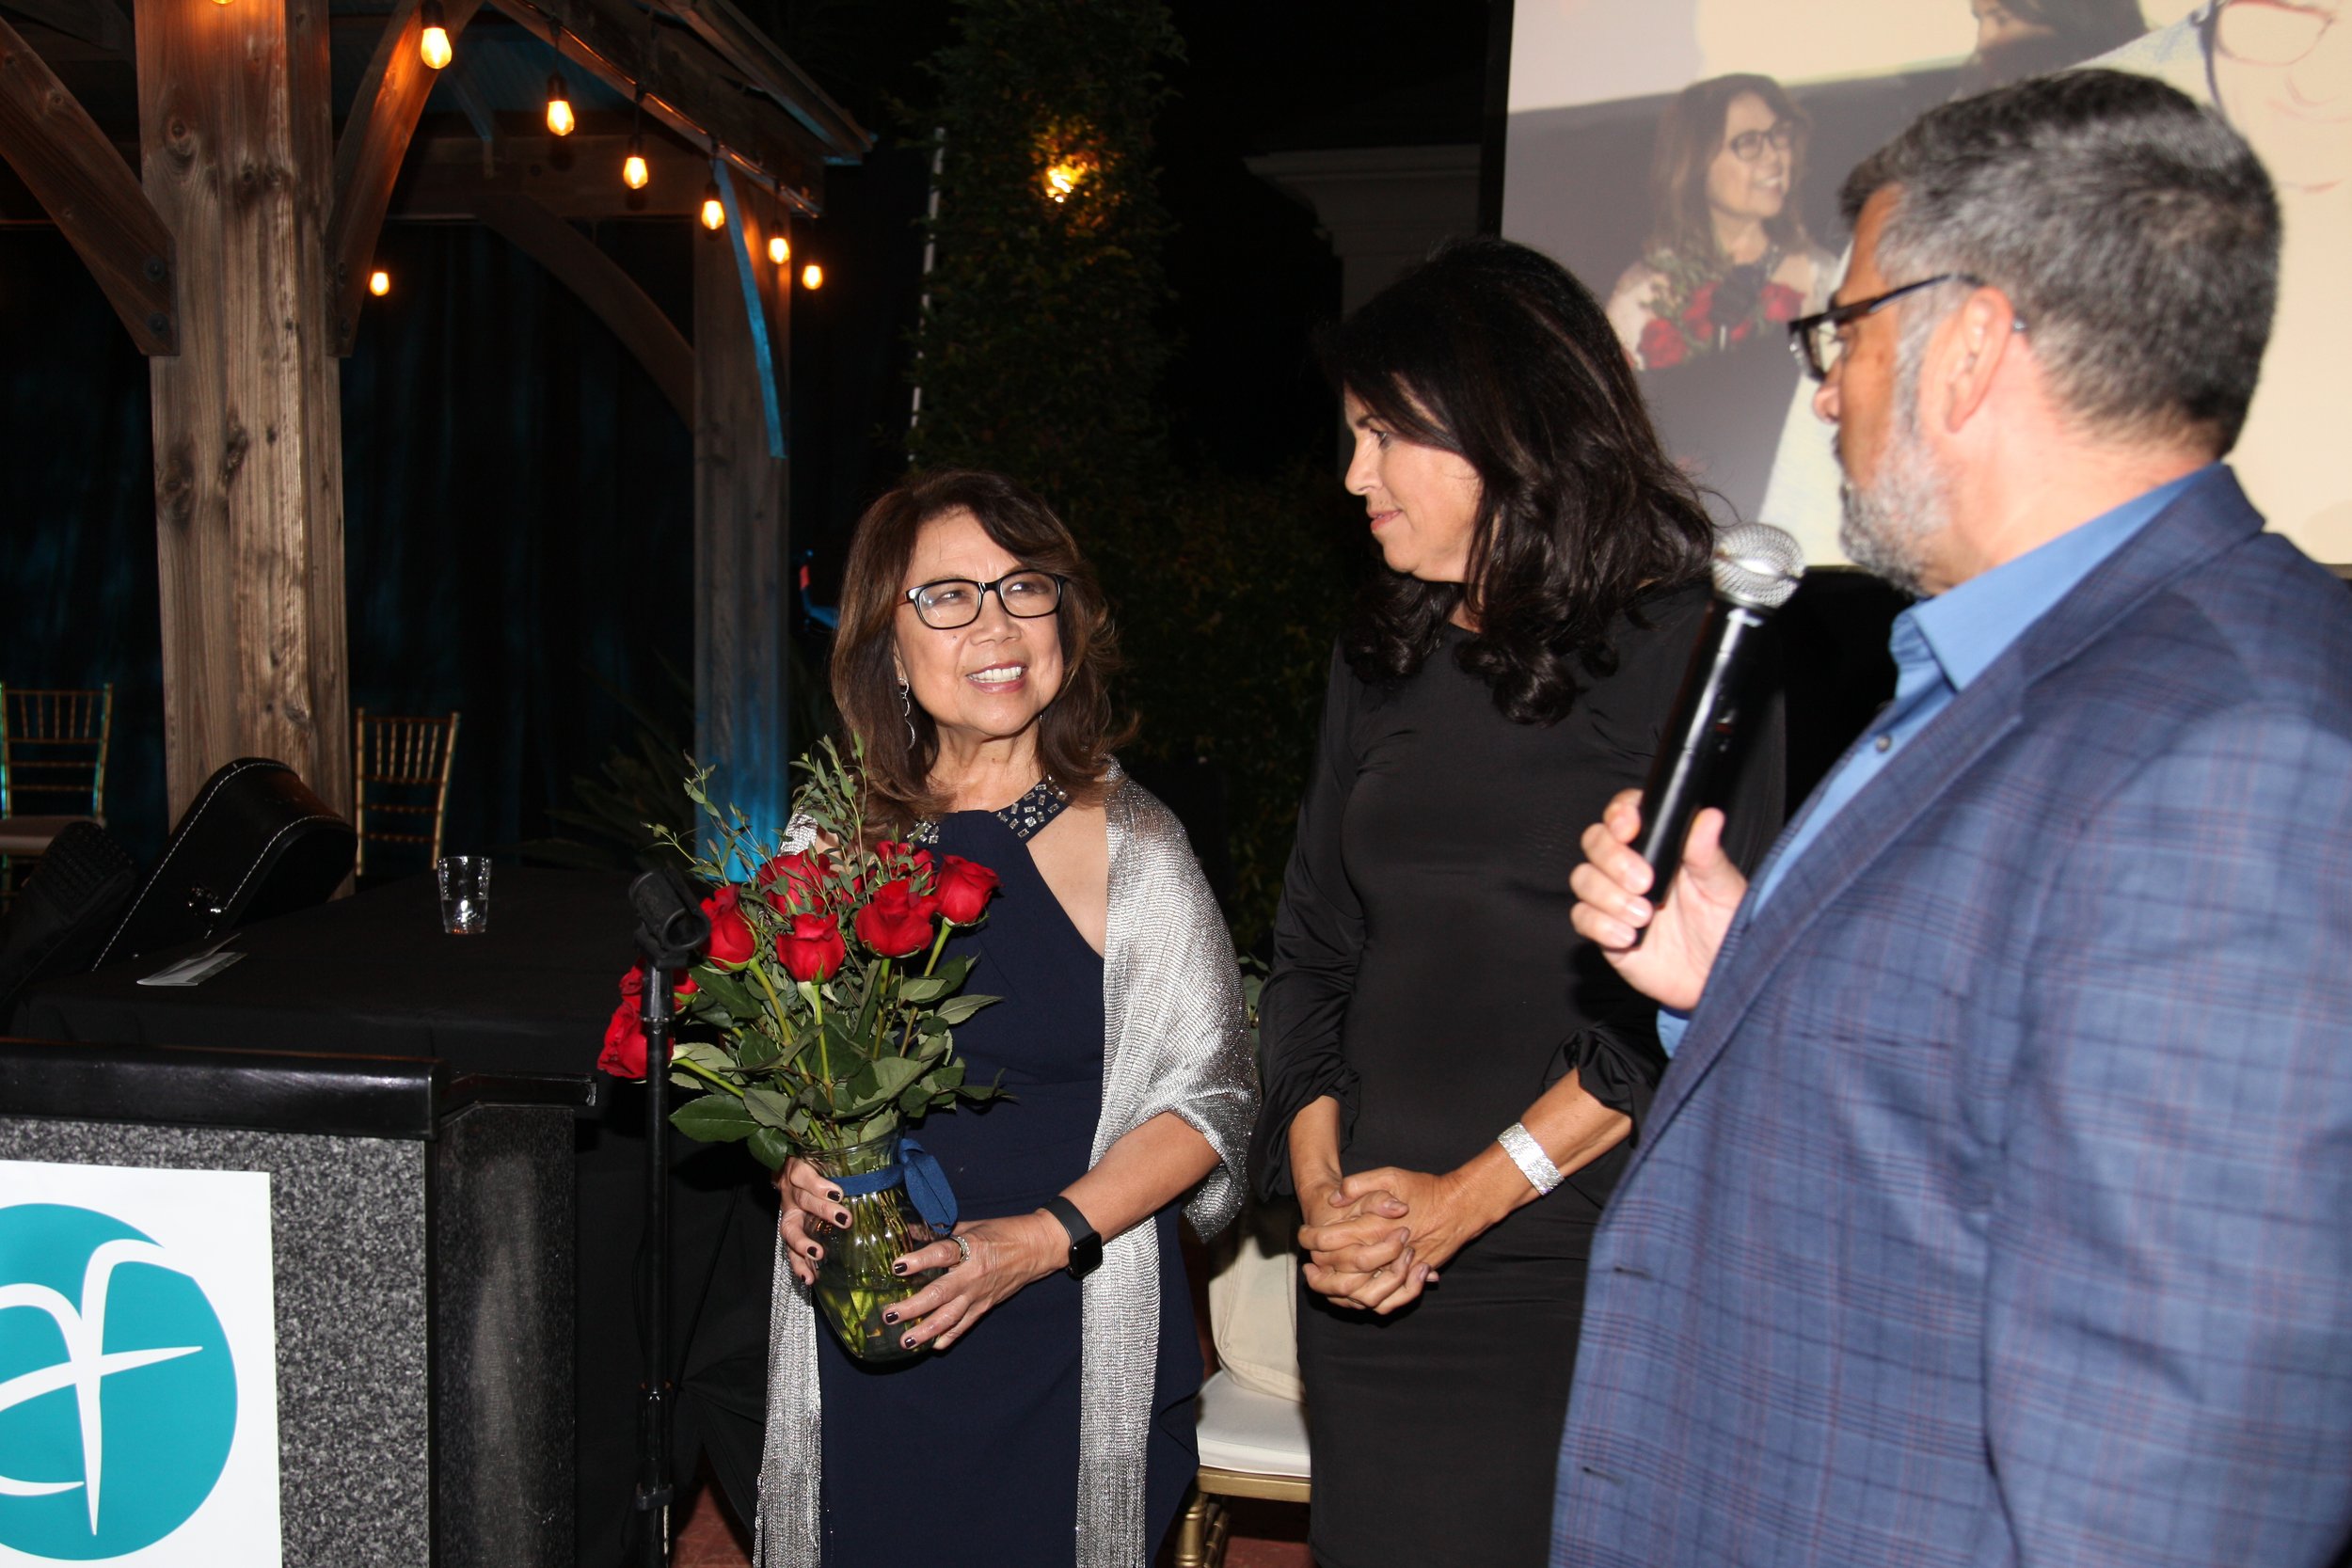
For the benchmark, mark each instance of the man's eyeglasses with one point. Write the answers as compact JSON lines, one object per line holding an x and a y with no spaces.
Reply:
{"x":952,"y":602}
{"x":1748,"y":145}
{"x":2268,"y":32}
{"x":1815,"y":341}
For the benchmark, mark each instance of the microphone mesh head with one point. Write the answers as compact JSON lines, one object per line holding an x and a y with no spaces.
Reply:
{"x":1756,"y":565}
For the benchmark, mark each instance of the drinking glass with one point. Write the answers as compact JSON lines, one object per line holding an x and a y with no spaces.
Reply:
{"x":464,"y":893}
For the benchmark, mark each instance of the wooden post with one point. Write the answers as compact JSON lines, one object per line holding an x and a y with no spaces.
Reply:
{"x":234,"y":137}
{"x":741,"y":517}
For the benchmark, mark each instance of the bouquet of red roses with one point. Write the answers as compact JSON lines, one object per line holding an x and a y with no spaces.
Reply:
{"x":824,"y":1013}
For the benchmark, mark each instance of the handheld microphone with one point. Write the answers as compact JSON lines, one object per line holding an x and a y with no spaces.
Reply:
{"x":1757,"y":568}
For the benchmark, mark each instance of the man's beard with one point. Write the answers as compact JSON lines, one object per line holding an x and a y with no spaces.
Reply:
{"x":1889,"y":521}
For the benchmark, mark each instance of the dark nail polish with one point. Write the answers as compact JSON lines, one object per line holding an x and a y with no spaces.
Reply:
{"x":908,"y":1341}
{"x":890,"y":1317}
{"x":814,"y":1252}
{"x":832,"y":1196}
{"x":898,"y":1268}
{"x":842,"y":1219}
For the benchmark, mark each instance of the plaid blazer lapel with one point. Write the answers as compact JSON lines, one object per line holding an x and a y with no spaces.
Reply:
{"x":2207,"y":518}
{"x":1758,"y":945}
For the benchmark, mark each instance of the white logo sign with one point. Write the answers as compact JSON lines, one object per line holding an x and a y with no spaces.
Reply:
{"x":138,"y":1421}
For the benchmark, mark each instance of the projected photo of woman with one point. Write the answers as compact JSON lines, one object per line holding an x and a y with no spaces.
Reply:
{"x":1728,"y":261}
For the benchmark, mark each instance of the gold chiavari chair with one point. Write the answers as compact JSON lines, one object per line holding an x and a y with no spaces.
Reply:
{"x":52,"y":770}
{"x":401,"y":767}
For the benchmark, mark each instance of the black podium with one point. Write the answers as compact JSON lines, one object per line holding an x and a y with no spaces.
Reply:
{"x":420,"y":1244}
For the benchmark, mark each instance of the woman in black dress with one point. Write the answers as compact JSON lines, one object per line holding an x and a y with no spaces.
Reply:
{"x":1441,"y":1051}
{"x":1051,"y":1420}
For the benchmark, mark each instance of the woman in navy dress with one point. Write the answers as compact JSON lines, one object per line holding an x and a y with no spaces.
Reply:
{"x":1051,"y":1421}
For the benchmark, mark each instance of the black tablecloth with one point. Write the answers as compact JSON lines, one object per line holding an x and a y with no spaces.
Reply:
{"x":375,"y":975}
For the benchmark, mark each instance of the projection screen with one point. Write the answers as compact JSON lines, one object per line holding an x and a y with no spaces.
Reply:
{"x":1592,"y":83}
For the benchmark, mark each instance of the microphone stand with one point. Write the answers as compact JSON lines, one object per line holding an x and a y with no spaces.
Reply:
{"x":672,"y":933}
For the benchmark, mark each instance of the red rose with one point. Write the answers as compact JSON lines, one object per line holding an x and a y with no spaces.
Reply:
{"x":964,"y":888}
{"x":811,"y":947}
{"x":731,"y":940}
{"x":798,"y":879}
{"x":633,"y":985}
{"x":1699,"y":315}
{"x":898,"y":921}
{"x":624,"y":1054}
{"x":1662,"y":344}
{"x":1740,"y":333}
{"x":1782,"y":303}
{"x":905,"y":858}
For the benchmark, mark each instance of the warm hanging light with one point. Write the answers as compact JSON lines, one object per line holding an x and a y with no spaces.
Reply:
{"x":559,"y":117}
{"x":812,"y":276}
{"x":433,"y":43}
{"x":779,"y":249}
{"x":633,"y":171}
{"x":379,"y":282}
{"x":714,"y":211}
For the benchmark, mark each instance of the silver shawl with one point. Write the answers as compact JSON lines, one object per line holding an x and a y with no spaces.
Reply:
{"x":1174,"y":1040}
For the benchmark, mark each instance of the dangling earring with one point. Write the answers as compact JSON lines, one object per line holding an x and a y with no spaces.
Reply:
{"x":906,"y":708}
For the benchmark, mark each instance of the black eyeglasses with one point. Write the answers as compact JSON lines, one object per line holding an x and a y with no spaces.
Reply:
{"x":1814,"y":338}
{"x":952,"y":602}
{"x":1748,"y":145}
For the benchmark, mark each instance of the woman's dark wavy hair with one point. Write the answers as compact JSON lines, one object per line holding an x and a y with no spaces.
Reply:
{"x":1493,"y":352}
{"x":1074,"y":734}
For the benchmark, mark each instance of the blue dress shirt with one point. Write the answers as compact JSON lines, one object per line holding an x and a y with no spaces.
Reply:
{"x":1940,"y":645}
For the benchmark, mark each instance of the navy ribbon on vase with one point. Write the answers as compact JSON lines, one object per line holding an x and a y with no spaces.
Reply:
{"x":925,"y":1182}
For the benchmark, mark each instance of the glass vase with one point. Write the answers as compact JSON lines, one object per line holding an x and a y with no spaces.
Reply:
{"x":855,"y":1285}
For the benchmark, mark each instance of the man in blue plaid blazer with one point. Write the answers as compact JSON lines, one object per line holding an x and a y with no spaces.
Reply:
{"x":1996,"y":1205}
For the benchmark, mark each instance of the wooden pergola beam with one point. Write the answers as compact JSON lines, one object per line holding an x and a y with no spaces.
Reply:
{"x":603,"y":287}
{"x":774,"y":72}
{"x":100,"y":23}
{"x":368,"y":157}
{"x":96,"y":200}
{"x":687,"y":86}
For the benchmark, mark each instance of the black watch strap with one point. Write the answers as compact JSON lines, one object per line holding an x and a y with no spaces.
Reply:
{"x":1086,"y":1243}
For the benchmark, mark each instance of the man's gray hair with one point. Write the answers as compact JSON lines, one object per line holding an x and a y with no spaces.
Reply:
{"x":2135,"y":233}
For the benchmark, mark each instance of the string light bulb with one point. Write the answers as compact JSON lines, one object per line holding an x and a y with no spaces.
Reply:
{"x":379,"y":282}
{"x":634,"y":174}
{"x":559,"y":117}
{"x":714,"y":211}
{"x":779,"y":249}
{"x":433,"y":42}
{"x":812,"y":276}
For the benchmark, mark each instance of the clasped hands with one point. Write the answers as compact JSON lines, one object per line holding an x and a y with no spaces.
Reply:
{"x":1375,"y":1239}
{"x":1008,"y":1253}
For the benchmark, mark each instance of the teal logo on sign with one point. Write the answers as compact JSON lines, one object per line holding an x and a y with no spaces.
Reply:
{"x":118,"y":1398}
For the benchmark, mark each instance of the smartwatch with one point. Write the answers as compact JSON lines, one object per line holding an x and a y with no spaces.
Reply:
{"x":1086,"y":1245}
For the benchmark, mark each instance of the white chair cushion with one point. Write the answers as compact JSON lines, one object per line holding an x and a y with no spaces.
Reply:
{"x":1254,"y":1303}
{"x":31,"y":835}
{"x":1245,"y":1431}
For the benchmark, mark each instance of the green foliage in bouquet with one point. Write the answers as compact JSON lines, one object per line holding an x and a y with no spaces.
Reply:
{"x":824,"y":1014}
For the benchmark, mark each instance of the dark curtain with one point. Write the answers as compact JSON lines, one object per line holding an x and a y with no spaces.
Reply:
{"x":77,"y":518}
{"x":518,"y":512}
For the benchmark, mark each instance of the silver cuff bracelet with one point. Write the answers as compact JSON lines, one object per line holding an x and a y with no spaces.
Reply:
{"x":1529,"y":1155}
